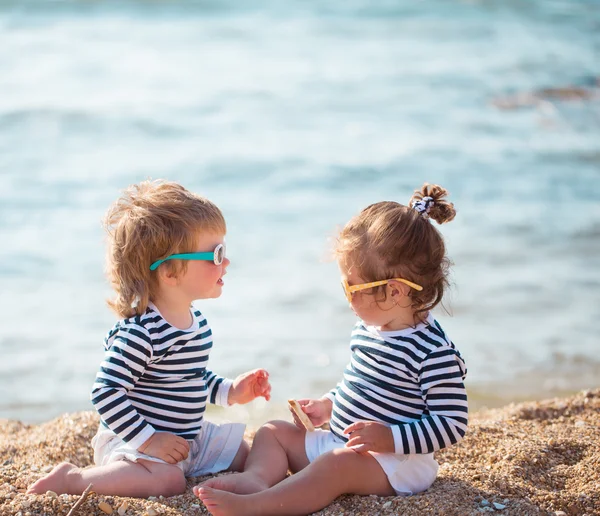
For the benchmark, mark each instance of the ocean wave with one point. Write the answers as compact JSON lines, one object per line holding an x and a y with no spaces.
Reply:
{"x":88,"y":122}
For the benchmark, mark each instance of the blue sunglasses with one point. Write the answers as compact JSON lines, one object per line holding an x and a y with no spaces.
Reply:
{"x":217,"y":256}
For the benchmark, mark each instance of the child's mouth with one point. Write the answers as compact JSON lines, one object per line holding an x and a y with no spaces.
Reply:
{"x":220,"y":282}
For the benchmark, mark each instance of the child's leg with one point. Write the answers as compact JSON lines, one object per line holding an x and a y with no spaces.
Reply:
{"x":316,"y":486}
{"x":122,"y":478}
{"x":277,"y":447}
{"x":240,"y":458}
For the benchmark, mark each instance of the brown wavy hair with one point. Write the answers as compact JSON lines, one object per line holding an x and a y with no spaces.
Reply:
{"x":152,"y":220}
{"x":390,"y":240}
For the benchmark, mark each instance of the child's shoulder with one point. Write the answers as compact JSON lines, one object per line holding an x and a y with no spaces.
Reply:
{"x":426,"y":338}
{"x":199,"y":316}
{"x":431,"y":336}
{"x":440,"y":347}
{"x":137,"y":327}
{"x":425,"y":346}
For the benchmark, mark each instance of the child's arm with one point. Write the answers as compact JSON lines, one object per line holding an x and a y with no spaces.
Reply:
{"x":441,"y":381}
{"x":129,"y":351}
{"x":243,"y":389}
{"x":217,"y":388}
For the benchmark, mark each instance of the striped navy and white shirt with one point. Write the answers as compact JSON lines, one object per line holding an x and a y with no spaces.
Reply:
{"x":154,"y":378}
{"x":410,"y":379}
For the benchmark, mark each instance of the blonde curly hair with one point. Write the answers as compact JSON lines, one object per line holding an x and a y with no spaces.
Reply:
{"x":390,"y":240}
{"x":152,"y":220}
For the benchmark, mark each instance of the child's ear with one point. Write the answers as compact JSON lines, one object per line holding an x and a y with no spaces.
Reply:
{"x":168,"y":275}
{"x":399,"y":289}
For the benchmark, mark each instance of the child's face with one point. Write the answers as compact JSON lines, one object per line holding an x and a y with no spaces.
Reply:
{"x":204,"y":279}
{"x":371,"y":308}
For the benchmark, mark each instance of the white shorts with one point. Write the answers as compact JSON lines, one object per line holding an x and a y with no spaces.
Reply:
{"x":211,"y":451}
{"x":407,"y":474}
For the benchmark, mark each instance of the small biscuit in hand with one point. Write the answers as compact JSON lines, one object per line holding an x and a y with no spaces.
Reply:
{"x":301,"y":415}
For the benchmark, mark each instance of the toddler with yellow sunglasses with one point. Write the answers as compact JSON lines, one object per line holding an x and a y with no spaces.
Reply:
{"x":402,"y":395}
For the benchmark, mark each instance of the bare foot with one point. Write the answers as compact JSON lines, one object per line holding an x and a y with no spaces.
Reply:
{"x":222,"y":503}
{"x":55,"y":481}
{"x":239,"y":483}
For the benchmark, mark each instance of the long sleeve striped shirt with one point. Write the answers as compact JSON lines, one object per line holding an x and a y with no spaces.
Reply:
{"x":154,"y":378}
{"x":411,"y":380}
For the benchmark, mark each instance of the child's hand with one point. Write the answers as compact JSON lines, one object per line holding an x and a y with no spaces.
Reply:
{"x":318,"y":411}
{"x":166,"y":446}
{"x":249,"y":386}
{"x":370,"y":436}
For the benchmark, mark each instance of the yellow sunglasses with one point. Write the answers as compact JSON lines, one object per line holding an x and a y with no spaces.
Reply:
{"x":350,"y":289}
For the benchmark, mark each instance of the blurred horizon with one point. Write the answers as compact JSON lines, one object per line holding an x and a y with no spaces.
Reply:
{"x":291,"y":117}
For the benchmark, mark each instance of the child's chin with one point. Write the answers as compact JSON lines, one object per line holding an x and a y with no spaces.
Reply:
{"x":212,"y":295}
{"x":370,"y":322}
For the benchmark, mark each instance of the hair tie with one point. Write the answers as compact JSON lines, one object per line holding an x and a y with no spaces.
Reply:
{"x":423,"y":206}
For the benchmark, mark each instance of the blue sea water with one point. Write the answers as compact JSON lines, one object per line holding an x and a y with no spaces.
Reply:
{"x":292,"y":116}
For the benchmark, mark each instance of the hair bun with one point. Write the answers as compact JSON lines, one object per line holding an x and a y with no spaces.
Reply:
{"x":439,"y":209}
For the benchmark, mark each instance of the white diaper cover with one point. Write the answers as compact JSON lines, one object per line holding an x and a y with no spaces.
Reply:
{"x":407,"y":474}
{"x":212,"y":450}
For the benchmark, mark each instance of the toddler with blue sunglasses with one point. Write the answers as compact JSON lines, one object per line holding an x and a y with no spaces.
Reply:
{"x":166,"y":249}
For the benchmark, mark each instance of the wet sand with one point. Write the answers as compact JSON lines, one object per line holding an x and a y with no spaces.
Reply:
{"x":528,"y":458}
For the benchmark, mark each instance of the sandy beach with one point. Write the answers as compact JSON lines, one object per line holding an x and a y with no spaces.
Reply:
{"x":528,"y":458}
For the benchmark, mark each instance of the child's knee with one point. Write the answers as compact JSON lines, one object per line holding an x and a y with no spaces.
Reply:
{"x":342,"y":459}
{"x":173,"y":482}
{"x":280,"y":428}
{"x":162,"y":479}
{"x":284,"y":432}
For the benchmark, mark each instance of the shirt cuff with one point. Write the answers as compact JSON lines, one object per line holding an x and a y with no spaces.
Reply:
{"x":142,"y":437}
{"x":330,"y":396}
{"x":398,"y":446}
{"x":223,"y":393}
